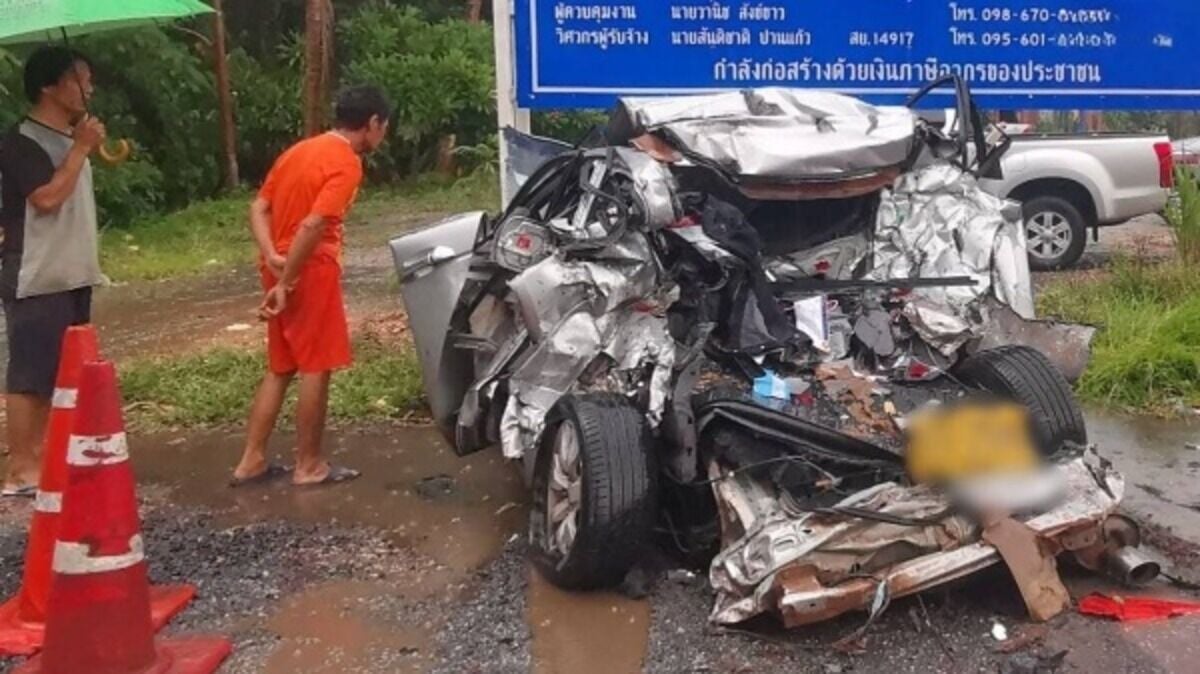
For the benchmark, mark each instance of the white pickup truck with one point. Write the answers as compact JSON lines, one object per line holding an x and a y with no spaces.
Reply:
{"x":1072,"y":183}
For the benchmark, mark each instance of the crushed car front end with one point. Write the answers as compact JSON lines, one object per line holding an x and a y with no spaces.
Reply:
{"x":720,"y":323}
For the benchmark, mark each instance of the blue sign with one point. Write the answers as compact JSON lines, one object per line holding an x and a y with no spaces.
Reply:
{"x":1015,"y":54}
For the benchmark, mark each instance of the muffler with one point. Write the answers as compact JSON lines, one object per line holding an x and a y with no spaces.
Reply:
{"x":1130,"y":567}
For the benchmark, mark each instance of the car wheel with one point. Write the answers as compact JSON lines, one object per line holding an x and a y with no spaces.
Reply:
{"x":1025,"y":376}
{"x":593,"y":492}
{"x":1056,"y":233}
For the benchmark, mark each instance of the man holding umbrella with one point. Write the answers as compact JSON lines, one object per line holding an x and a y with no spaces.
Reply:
{"x":49,"y":257}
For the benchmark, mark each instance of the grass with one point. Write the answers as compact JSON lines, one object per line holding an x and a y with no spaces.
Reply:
{"x":1147,"y":357}
{"x":1184,"y":214}
{"x":215,"y":388}
{"x":208,"y":235}
{"x":213,"y":236}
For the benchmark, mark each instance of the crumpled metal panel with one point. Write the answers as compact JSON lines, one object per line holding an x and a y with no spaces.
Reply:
{"x":836,"y":259}
{"x":633,"y":339}
{"x":806,"y":566}
{"x":655,"y":187}
{"x":556,"y":287}
{"x":544,"y":375}
{"x":576,"y":310}
{"x":937,"y":222}
{"x":642,"y":339}
{"x":1067,"y":345}
{"x":524,"y":154}
{"x":781,"y":133}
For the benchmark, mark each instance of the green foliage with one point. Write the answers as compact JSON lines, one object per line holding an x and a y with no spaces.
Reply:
{"x":216,"y":387}
{"x":268,"y":105}
{"x":156,"y":88}
{"x":159,"y":92}
{"x":1136,"y":121}
{"x":1147,"y":357}
{"x":571,"y":126}
{"x":483,"y":158}
{"x":164,"y":104}
{"x":128,"y":192}
{"x":439,"y":77}
{"x":1184,"y":214}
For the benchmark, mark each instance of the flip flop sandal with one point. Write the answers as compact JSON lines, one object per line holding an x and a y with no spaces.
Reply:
{"x":28,"y":491}
{"x":336,"y":475}
{"x":273,"y":471}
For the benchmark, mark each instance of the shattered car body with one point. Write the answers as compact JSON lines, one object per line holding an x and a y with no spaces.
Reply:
{"x":719,"y":320}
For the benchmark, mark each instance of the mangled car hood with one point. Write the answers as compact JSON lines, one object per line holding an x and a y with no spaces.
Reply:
{"x":775,"y":133}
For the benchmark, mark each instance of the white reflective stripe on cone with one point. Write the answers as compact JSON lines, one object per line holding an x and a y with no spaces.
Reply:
{"x":48,"y":502}
{"x":64,"y":398}
{"x":97,"y":450}
{"x":74,"y":559}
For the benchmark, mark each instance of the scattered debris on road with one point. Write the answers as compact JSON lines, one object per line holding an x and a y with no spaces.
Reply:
{"x":1136,"y":609}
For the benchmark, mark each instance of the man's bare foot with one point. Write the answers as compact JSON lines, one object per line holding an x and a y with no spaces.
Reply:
{"x":20,"y":483}
{"x":250,"y":467}
{"x":326,"y":473}
{"x":19,"y":487}
{"x":271,"y":472}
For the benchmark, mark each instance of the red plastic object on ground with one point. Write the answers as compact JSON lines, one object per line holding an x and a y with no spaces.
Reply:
{"x":98,"y":616}
{"x":1135,"y":609}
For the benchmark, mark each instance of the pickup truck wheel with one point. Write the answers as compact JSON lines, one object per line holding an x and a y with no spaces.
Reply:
{"x":593,"y":495}
{"x":1056,"y":233}
{"x":1025,"y":376}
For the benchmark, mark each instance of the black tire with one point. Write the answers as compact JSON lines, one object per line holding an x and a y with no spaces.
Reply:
{"x":1041,"y":209}
{"x":615,"y":520}
{"x":1027,"y":377}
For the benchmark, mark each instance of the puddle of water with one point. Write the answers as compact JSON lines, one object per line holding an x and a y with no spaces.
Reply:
{"x":1160,"y":470}
{"x":463,"y":523}
{"x":585,"y":633}
{"x":338,"y":627}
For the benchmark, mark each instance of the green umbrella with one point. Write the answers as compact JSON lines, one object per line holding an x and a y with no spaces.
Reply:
{"x":23,"y":21}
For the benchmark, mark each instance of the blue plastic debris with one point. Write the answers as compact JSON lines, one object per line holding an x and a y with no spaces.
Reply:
{"x":771,"y":385}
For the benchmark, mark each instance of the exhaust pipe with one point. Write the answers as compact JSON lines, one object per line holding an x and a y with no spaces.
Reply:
{"x":1131,"y":567}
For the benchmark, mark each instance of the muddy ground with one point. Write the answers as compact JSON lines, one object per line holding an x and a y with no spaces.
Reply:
{"x":420,"y":565}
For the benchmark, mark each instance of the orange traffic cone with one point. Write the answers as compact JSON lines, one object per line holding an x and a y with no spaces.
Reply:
{"x":23,"y":618}
{"x":99,"y":609}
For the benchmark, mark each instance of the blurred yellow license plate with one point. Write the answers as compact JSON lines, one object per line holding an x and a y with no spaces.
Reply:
{"x":969,"y":440}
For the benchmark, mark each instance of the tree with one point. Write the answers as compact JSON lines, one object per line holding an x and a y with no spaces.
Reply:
{"x":225,"y":98}
{"x":318,"y":55}
{"x":474,"y":11}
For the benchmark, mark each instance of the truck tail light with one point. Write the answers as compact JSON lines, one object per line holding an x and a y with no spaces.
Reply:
{"x":1166,"y":165}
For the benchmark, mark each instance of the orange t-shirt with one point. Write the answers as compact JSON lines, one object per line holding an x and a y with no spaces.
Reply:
{"x":318,"y":175}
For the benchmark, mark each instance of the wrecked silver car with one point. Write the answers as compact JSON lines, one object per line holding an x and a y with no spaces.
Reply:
{"x":714,"y":325}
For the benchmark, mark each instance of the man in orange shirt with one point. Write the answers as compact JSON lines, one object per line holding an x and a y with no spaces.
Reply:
{"x":297,"y":221}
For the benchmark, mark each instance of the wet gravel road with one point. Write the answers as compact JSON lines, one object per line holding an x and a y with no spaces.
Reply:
{"x":304,"y":583}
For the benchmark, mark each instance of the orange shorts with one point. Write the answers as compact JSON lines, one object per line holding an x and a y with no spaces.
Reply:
{"x":311,"y":335}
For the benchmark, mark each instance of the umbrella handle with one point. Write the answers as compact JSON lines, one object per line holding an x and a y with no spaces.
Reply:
{"x":115,"y":152}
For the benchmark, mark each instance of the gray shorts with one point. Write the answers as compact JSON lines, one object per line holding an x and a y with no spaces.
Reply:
{"x":35,"y":333}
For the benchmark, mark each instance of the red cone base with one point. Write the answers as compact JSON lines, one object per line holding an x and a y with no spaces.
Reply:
{"x":18,"y":637}
{"x":182,"y":655}
{"x":166,"y":601}
{"x":22,"y":638}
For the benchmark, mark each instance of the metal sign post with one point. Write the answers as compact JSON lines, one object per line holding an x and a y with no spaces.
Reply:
{"x":508,"y":114}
